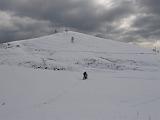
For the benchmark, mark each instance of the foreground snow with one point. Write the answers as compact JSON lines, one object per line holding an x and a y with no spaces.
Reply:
{"x":27,"y":94}
{"x":123,"y":80}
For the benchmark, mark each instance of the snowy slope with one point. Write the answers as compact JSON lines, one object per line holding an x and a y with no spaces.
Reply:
{"x":57,"y":52}
{"x":123,"y":80}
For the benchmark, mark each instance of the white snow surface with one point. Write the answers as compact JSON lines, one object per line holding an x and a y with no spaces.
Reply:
{"x":41,"y":79}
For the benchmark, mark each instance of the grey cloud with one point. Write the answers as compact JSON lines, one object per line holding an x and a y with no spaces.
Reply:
{"x":121,"y":10}
{"x":147,"y":23}
{"x":150,"y":6}
{"x":31,"y":18}
{"x":145,"y":26}
{"x":14,"y":27}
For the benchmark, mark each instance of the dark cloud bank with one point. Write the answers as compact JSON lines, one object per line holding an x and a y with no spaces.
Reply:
{"x":124,"y":20}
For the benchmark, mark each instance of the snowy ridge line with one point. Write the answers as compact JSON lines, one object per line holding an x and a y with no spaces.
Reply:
{"x":101,"y":52}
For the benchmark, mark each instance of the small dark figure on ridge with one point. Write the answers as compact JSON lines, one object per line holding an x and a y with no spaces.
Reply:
{"x":72,"y":39}
{"x":85,"y":76}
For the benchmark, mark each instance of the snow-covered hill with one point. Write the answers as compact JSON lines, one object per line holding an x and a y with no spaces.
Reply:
{"x":56,"y":52}
{"x":123,"y":79}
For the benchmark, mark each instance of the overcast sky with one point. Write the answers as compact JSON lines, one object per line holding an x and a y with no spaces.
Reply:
{"x":125,"y":20}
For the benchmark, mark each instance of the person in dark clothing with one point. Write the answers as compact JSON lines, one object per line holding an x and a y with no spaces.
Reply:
{"x":85,"y":76}
{"x":72,"y":39}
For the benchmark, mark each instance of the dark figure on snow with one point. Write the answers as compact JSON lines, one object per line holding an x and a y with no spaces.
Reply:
{"x":85,"y":76}
{"x":72,"y":39}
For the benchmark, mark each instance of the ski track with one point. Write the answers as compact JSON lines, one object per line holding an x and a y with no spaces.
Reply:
{"x":146,"y":102}
{"x":57,"y":97}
